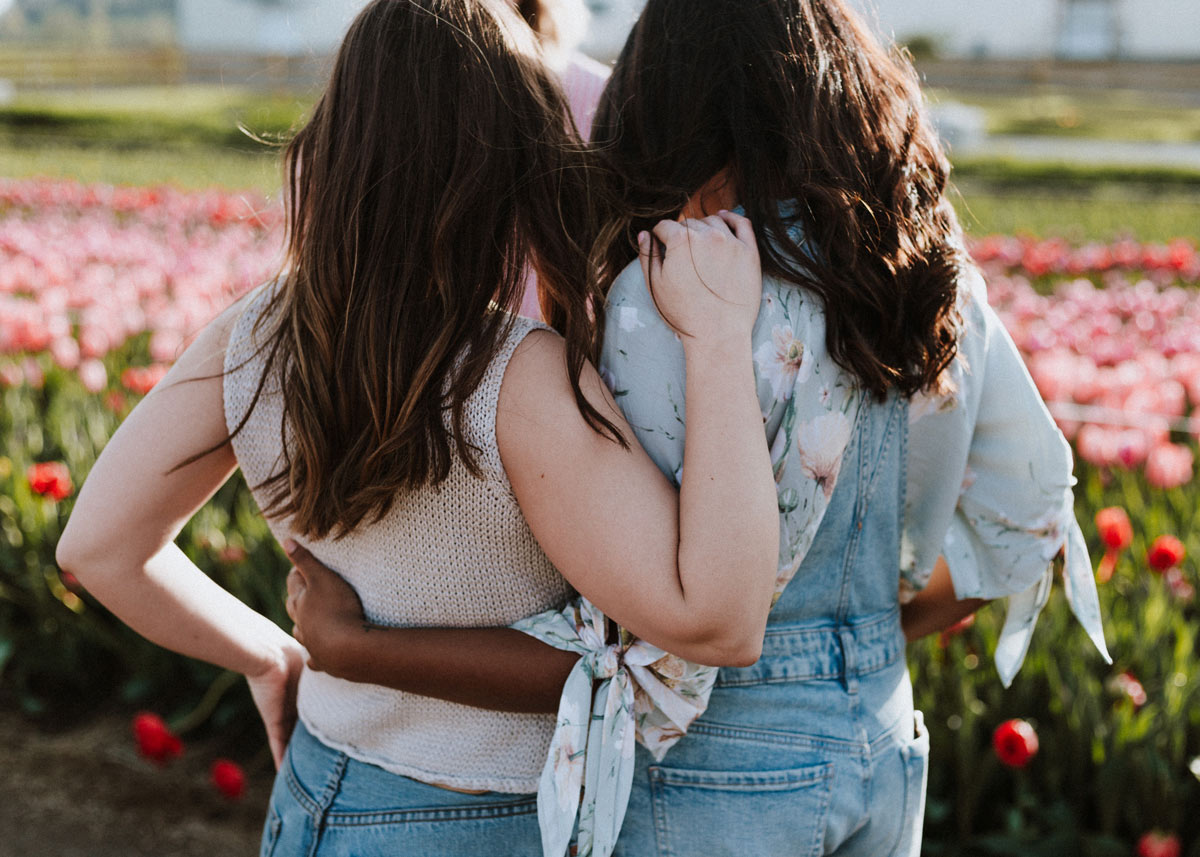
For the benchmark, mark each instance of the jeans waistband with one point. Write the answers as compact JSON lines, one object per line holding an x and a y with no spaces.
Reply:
{"x":825,"y":651}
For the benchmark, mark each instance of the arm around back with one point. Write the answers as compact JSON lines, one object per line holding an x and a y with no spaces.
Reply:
{"x":693,"y":572}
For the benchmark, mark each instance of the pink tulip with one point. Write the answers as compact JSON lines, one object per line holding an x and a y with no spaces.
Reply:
{"x":65,"y":352}
{"x":1169,"y":465}
{"x":34,"y":376}
{"x":93,"y":375}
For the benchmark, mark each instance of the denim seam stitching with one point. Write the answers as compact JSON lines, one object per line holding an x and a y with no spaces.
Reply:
{"x":870,"y":668}
{"x":860,"y":428}
{"x":822,"y":819}
{"x":333,"y":785}
{"x":804,"y":777}
{"x":298,"y":792}
{"x":431,"y":814}
{"x":884,"y":449}
{"x":771,"y":736}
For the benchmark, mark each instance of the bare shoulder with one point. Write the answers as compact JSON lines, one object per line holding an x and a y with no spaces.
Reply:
{"x":537,"y":408}
{"x":205,"y":354}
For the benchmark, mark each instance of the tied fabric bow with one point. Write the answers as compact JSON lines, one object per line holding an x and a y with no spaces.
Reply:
{"x":643,"y":693}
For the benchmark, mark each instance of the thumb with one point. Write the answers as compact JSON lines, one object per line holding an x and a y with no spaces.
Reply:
{"x":304,"y":561}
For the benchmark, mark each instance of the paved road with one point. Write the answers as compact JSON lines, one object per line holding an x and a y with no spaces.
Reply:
{"x":1086,"y":151}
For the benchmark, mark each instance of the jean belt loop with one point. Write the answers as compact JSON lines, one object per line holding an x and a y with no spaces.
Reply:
{"x":849,"y":659}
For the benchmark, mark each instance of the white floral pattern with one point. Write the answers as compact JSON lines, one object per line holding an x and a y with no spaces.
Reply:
{"x":780,"y":362}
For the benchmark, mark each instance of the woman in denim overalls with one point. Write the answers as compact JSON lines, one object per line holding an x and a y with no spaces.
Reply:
{"x":873,"y":322}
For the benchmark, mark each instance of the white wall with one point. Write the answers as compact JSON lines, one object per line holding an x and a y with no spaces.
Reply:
{"x":1150,"y":29}
{"x":992,"y":28}
{"x":1000,"y":28}
{"x":294,"y":28}
{"x":1161,"y":28}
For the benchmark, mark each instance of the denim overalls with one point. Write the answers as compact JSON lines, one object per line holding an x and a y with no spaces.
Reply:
{"x":816,"y":748}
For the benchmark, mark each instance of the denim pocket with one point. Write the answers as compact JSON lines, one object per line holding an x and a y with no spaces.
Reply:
{"x":270,"y":832}
{"x":740,"y":813}
{"x":916,"y":774}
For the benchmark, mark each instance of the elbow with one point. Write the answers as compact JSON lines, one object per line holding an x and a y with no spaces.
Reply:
{"x":735,"y":653}
{"x":74,"y":554}
{"x":725,"y":644}
{"x":68,"y":554}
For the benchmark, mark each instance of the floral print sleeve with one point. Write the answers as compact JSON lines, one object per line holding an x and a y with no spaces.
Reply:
{"x":1009,"y":521}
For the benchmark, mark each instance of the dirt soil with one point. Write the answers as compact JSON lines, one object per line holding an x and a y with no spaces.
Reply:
{"x":85,"y":792}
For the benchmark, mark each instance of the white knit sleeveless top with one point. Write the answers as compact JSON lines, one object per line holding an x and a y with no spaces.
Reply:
{"x":458,"y":555}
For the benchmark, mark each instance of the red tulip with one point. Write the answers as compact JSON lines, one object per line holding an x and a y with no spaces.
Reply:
{"x":228,"y":778}
{"x":155,"y":739}
{"x":141,"y":379}
{"x":1166,"y":552}
{"x":1128,"y":684}
{"x":115,"y":401}
{"x":1156,"y":844}
{"x":1015,"y":743}
{"x":1116,"y":531}
{"x":50,"y":479}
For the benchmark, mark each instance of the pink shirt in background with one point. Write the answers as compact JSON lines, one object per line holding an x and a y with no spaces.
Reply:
{"x":583,"y":80}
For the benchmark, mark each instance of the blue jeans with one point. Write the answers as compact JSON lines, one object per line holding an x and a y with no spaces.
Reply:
{"x":783,"y":768}
{"x":815,"y":749}
{"x":325,"y":803}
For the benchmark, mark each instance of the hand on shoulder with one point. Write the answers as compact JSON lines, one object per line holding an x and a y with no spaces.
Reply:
{"x":705,"y":277}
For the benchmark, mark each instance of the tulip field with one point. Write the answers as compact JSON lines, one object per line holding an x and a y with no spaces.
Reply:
{"x":100,"y":288}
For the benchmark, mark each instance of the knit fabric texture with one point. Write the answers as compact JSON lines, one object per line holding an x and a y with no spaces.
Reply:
{"x":456,"y":555}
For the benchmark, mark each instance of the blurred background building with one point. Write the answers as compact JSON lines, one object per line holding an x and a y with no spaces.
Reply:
{"x":1002,"y":29}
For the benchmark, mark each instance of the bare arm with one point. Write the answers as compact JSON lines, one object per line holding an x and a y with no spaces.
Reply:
{"x":494,"y":668}
{"x":119,"y":541}
{"x":936,"y":607}
{"x":691,"y":572}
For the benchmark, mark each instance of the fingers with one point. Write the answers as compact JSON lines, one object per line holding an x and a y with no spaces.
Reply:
{"x":650,"y":256}
{"x":296,"y":582}
{"x":669,"y":232}
{"x":645,"y":255}
{"x":300,"y":556}
{"x":741,"y":227}
{"x":295,"y":591}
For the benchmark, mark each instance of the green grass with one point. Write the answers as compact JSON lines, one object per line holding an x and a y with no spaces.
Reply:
{"x":191,"y":137}
{"x":1099,"y":213}
{"x":1108,"y":115}
{"x":226,"y":117}
{"x":186,"y":167}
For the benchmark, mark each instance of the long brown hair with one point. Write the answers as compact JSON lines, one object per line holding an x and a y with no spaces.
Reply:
{"x":820,"y":129}
{"x":439,"y":164}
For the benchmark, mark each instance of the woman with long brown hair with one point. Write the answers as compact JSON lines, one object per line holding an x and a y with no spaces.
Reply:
{"x":390,"y":413}
{"x":910,"y":448}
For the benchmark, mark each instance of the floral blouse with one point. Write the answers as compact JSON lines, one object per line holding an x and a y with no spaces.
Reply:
{"x":989,"y":488}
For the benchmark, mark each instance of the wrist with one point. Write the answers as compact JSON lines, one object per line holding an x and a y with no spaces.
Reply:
{"x":341,"y":650}
{"x":273,"y":658}
{"x":726,"y":350}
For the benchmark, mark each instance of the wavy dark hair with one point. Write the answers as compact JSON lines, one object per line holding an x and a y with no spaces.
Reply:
{"x":438,"y":165}
{"x":800,"y":103}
